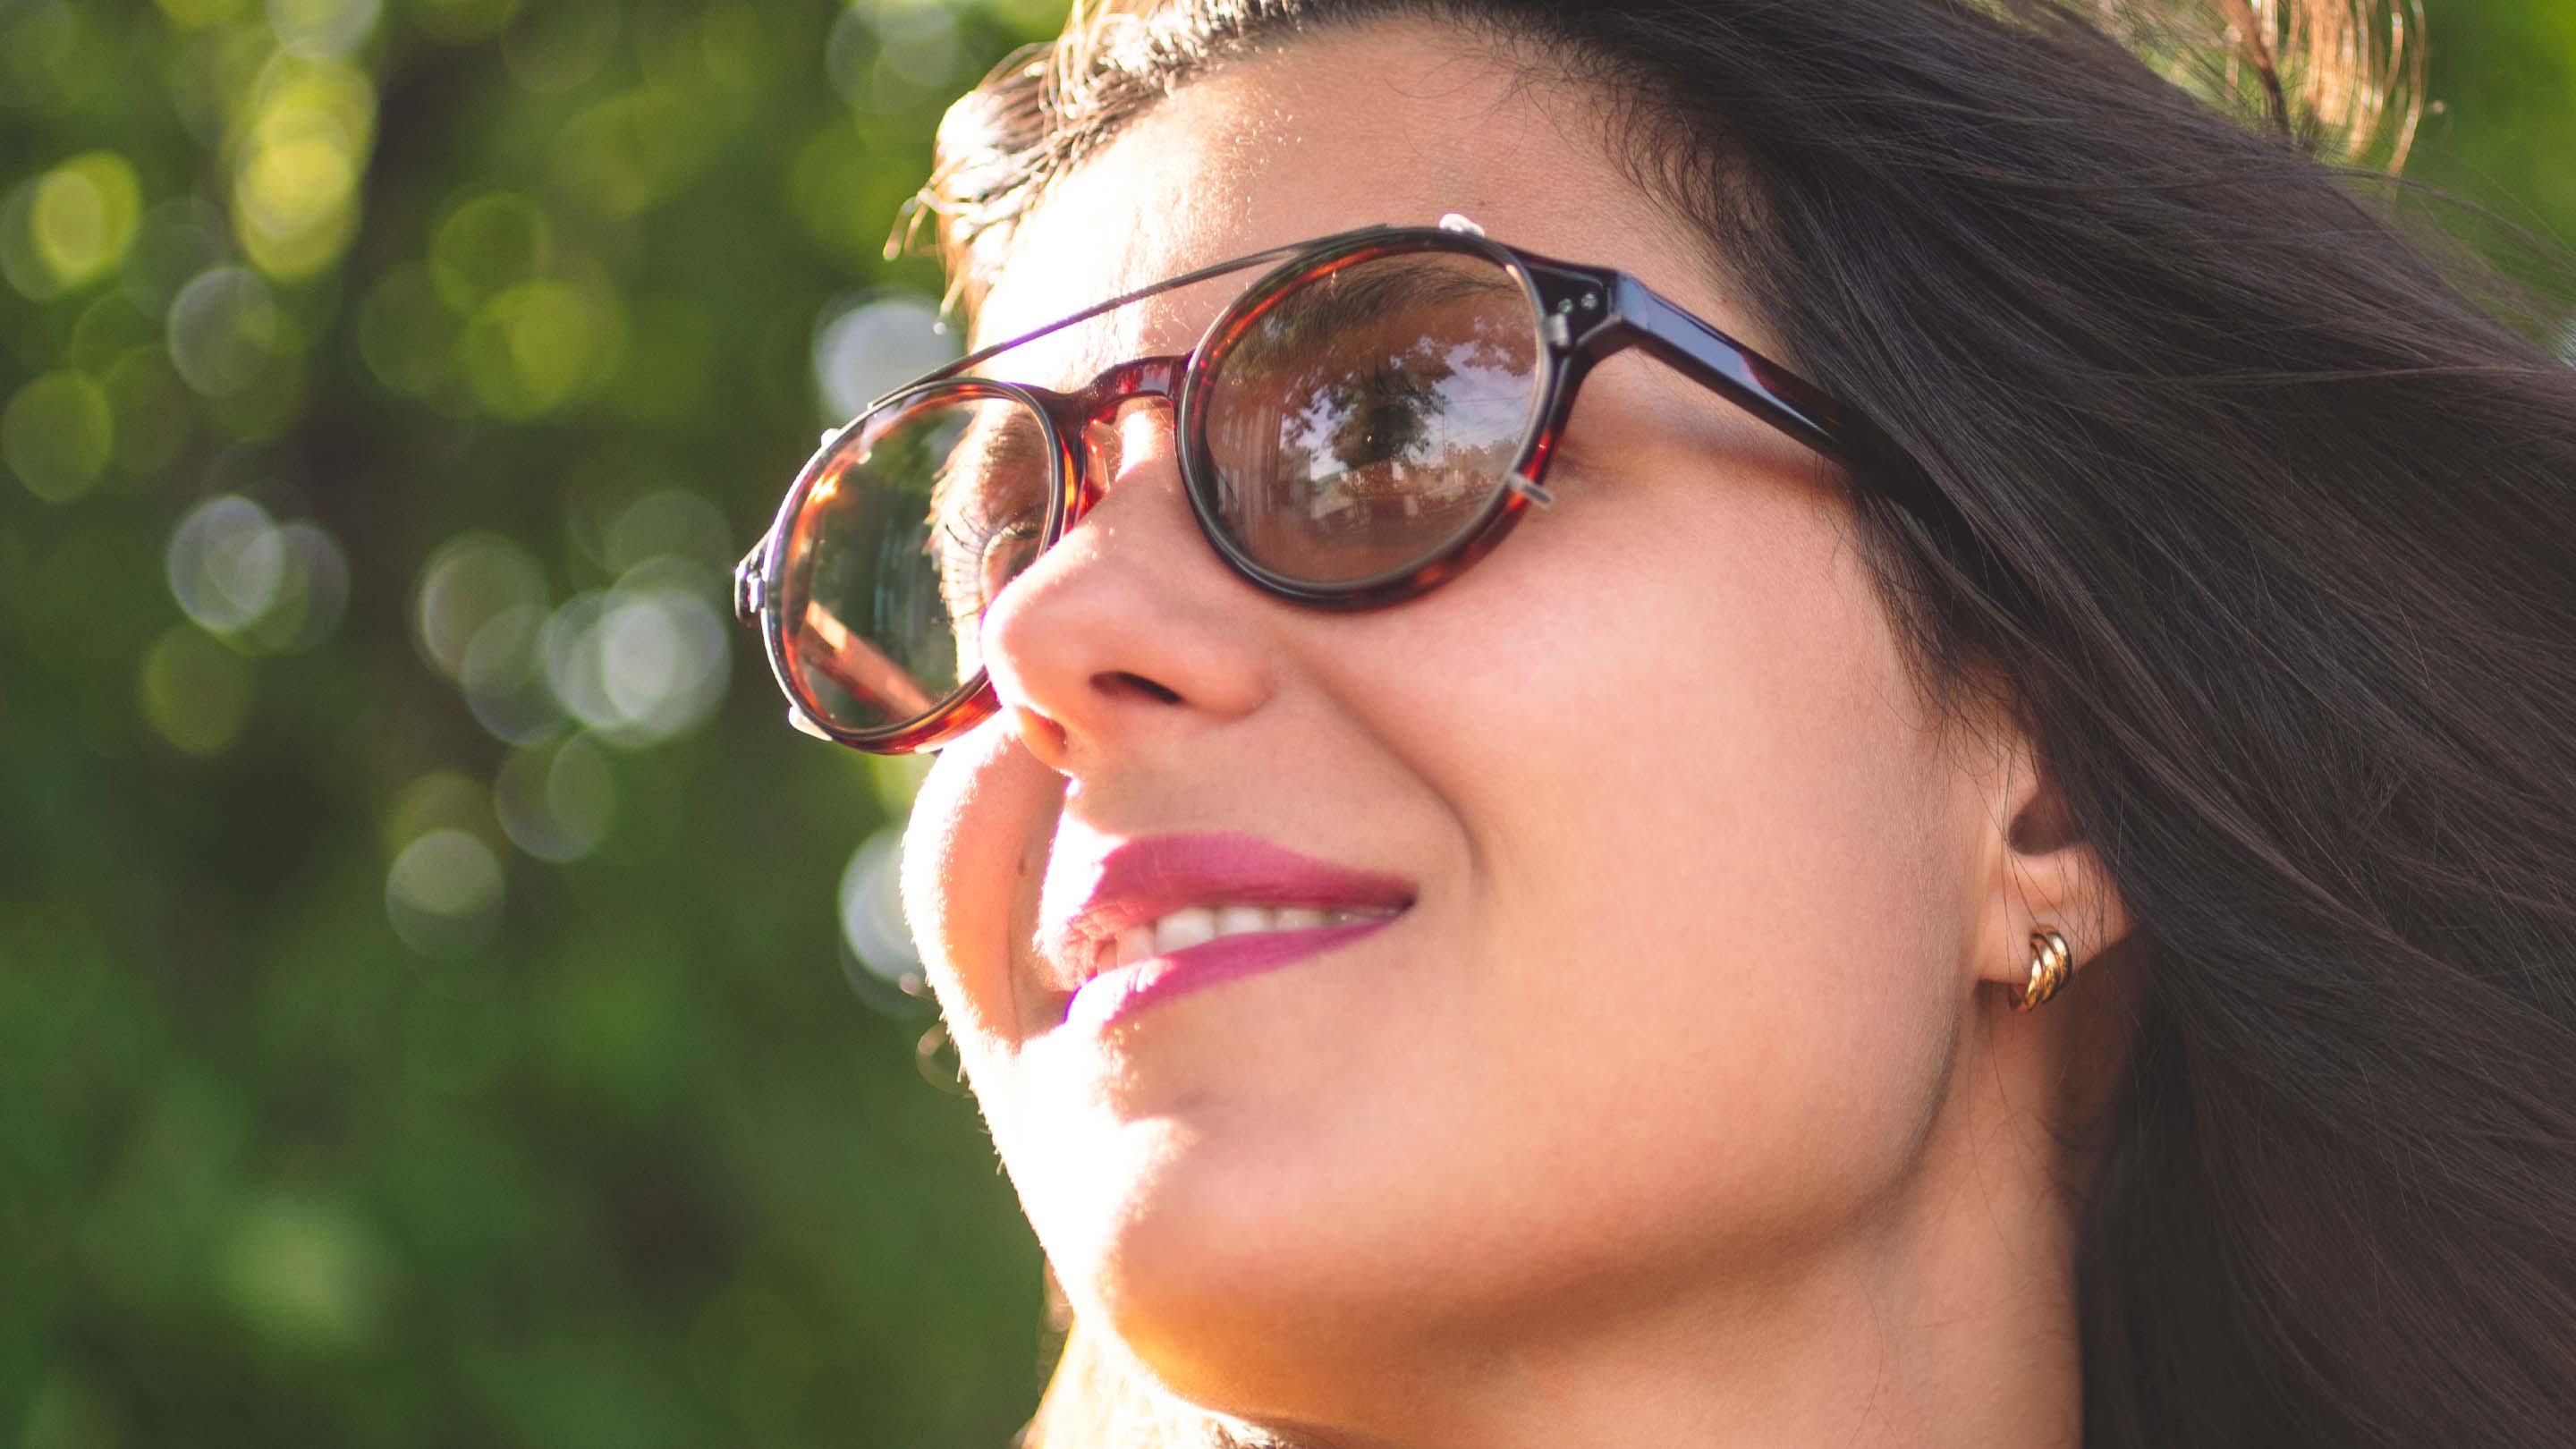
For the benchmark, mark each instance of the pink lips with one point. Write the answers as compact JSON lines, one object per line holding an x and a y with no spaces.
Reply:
{"x":1139,"y":881}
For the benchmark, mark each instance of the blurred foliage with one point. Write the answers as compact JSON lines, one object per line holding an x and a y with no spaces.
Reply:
{"x":440,"y":1003}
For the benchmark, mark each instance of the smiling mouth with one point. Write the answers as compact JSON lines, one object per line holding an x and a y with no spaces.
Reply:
{"x":1179,"y":930}
{"x":1202,"y":905}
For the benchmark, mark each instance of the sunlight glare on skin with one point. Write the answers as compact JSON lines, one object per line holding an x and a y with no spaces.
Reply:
{"x":1583,"y":755}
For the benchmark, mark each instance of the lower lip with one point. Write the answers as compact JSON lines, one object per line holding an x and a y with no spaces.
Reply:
{"x":1119,"y":993}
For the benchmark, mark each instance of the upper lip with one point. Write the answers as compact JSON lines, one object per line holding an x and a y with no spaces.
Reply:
{"x":1139,"y":881}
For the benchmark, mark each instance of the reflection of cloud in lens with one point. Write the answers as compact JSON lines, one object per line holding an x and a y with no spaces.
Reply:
{"x":874,"y":344}
{"x":443,"y":894}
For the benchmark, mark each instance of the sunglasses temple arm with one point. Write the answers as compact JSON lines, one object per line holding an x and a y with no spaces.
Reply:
{"x":1796,"y":407}
{"x":1641,"y":317}
{"x":1168,"y":284}
{"x":750,"y":589}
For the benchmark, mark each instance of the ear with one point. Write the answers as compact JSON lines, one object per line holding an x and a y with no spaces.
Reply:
{"x":2037,"y":870}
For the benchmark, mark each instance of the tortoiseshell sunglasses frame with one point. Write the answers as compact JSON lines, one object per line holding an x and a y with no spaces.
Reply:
{"x":1583,"y":314}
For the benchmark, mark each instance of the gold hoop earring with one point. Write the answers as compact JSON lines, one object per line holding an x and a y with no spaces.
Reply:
{"x":2050,"y":964}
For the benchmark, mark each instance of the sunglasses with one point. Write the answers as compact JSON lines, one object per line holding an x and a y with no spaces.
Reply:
{"x":1372,"y":416}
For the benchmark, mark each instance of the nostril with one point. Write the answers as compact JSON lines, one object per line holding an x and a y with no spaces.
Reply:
{"x":1123,"y":682}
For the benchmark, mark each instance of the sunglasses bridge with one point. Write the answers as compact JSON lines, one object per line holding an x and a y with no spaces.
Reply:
{"x":1072,"y":415}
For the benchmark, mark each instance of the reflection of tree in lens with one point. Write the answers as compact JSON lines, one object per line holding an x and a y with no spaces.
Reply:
{"x":1382,"y":412}
{"x":1368,"y":416}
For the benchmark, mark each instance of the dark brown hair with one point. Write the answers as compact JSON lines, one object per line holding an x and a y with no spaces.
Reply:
{"x":2289,"y":525}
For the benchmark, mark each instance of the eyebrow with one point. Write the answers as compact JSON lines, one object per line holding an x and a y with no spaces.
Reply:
{"x":1278,"y":253}
{"x":1351,"y":303}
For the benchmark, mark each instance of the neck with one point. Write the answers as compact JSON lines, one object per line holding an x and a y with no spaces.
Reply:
{"x":1945,"y":1318}
{"x":1892,"y":1342}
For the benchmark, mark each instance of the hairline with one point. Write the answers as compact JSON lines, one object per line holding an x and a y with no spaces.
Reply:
{"x":1624,"y":124}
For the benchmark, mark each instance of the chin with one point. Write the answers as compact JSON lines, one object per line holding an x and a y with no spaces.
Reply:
{"x":1239,"y":1274}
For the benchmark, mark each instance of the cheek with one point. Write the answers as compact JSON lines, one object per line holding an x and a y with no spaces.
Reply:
{"x":1714,"y":913}
{"x":978,"y":834}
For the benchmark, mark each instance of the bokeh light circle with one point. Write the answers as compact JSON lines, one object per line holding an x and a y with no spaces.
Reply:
{"x":874,"y":344}
{"x":177,"y":241}
{"x":504,"y":678}
{"x":872,"y":924}
{"x":673,"y":522}
{"x":323,"y":29}
{"x":226,"y":563}
{"x":471,"y":580}
{"x":196,"y":692}
{"x":556,"y":799}
{"x":443,"y":894}
{"x":638,"y":663}
{"x":554,"y":48}
{"x":223,"y":329}
{"x":312,"y":594}
{"x":83,"y":215}
{"x":57,"y":435}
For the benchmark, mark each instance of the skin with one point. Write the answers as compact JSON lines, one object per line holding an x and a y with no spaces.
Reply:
{"x":1685,"y":1105}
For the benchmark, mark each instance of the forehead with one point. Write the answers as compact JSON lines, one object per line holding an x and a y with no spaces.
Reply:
{"x":1395,"y":122}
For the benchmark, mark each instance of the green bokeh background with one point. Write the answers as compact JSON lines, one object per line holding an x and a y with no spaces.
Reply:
{"x":427,"y":1015}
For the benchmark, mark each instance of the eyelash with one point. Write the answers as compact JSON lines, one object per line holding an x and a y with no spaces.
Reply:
{"x":966,"y":561}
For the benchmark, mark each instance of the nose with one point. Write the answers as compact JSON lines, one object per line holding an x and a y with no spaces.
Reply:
{"x":1130,"y":630}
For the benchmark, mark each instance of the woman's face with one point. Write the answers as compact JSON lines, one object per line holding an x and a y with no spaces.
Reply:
{"x":1697,"y":897}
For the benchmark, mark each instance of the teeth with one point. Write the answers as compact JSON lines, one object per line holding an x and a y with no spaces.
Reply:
{"x":1198,"y":925}
{"x":1135,"y":944}
{"x":1240,"y":920}
{"x":1184,"y":928}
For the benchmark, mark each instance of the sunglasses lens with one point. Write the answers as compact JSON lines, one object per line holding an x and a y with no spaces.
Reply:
{"x":910,"y":527}
{"x":1362,"y":418}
